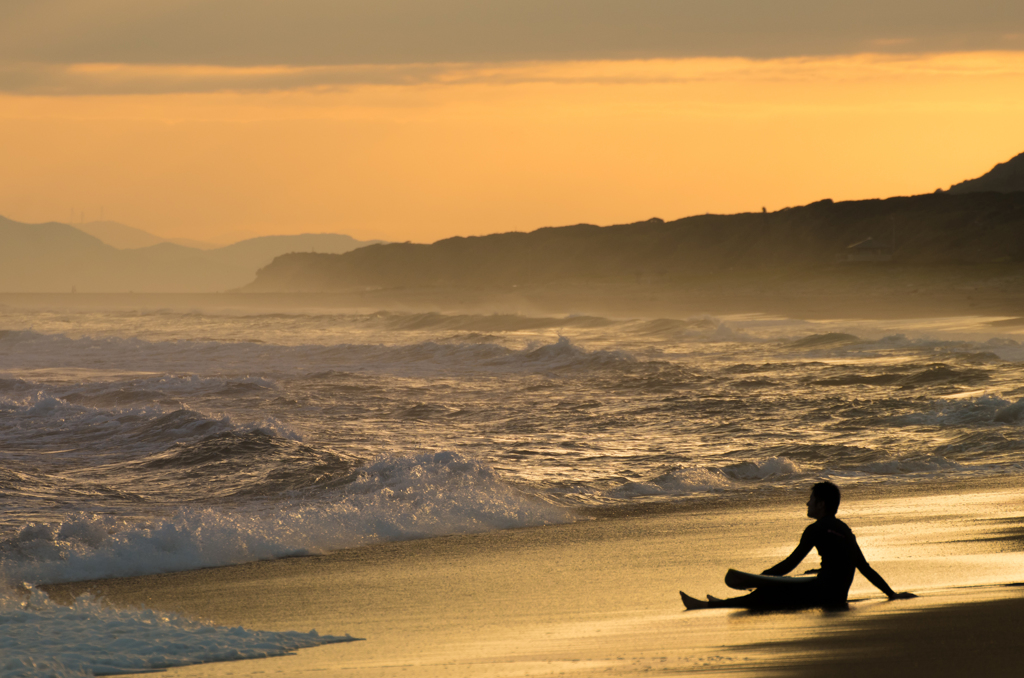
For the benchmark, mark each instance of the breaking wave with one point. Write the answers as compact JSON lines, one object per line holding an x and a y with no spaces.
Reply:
{"x":390,"y":499}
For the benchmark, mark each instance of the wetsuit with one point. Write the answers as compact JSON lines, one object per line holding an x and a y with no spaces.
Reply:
{"x":840,"y":558}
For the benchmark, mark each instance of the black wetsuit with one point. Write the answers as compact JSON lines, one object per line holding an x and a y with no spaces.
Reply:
{"x":840,"y":558}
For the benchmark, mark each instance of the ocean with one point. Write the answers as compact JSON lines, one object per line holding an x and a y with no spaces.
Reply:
{"x":136,"y":442}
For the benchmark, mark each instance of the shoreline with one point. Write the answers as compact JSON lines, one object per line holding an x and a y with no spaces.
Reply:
{"x":599,"y":596}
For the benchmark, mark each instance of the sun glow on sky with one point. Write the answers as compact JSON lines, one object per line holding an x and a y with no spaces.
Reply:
{"x":426,"y":151}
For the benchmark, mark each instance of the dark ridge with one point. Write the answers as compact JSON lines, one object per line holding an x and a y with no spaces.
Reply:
{"x":937,"y":229}
{"x":1006,"y":177}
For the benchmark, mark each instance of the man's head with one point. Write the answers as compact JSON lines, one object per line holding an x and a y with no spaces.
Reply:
{"x":826,"y":496}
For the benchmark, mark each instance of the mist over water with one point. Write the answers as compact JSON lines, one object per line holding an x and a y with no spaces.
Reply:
{"x":138,"y":442}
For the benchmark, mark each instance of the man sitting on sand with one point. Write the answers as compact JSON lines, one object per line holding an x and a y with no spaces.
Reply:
{"x":840,"y":558}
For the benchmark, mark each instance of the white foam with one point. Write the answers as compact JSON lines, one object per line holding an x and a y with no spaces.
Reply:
{"x":42,"y":638}
{"x":763,"y":469}
{"x":393,"y":498}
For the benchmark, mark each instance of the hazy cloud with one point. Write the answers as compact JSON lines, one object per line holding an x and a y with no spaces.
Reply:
{"x":113,"y":79}
{"x":243,"y":33}
{"x":121,"y":79}
{"x":58,"y":47}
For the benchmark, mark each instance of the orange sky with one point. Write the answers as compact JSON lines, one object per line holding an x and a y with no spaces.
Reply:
{"x":219,"y":152}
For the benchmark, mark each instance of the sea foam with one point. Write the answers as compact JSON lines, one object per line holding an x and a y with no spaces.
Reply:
{"x":393,"y":498}
{"x":42,"y":638}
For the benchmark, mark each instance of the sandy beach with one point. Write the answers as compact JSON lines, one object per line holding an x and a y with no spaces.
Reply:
{"x":599,"y":597}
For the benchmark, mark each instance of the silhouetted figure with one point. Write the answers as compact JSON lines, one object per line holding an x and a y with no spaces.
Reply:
{"x":840,"y":555}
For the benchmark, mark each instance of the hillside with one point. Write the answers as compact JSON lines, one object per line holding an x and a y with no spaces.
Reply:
{"x":56,"y":257}
{"x":928,"y":230}
{"x":1006,"y":177}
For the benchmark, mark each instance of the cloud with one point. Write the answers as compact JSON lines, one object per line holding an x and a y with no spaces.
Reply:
{"x":312,"y":33}
{"x":148,"y":79}
{"x":126,"y":79}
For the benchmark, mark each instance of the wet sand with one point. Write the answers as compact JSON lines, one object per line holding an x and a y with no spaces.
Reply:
{"x":960,"y":639}
{"x":599,"y":597}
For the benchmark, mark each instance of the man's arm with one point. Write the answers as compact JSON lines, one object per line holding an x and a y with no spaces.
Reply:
{"x":794,"y":558}
{"x":875,"y":578}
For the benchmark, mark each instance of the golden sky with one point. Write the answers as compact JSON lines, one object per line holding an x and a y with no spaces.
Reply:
{"x":417,"y":120}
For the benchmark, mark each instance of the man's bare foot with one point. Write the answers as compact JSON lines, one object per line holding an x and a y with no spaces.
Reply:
{"x":693,"y":603}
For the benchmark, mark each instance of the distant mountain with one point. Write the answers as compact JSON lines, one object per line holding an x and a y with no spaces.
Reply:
{"x":941,"y":228}
{"x":56,"y":257}
{"x":130,"y":238}
{"x":119,"y":235}
{"x":1006,"y":177}
{"x":60,"y":239}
